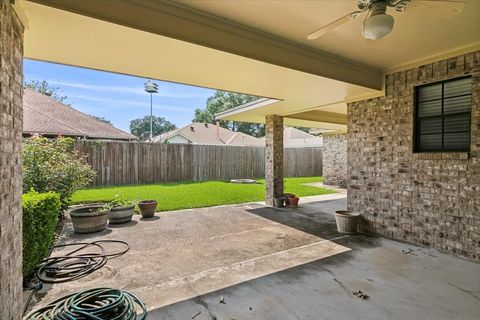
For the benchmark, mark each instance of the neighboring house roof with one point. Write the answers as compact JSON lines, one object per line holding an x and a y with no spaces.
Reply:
{"x":294,"y":138}
{"x":45,"y":116}
{"x":243,"y":139}
{"x":205,"y":133}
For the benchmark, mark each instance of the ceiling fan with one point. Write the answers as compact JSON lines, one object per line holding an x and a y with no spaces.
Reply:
{"x":378,"y":23}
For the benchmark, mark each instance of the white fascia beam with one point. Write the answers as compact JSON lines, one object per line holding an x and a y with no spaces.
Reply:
{"x":180,"y":22}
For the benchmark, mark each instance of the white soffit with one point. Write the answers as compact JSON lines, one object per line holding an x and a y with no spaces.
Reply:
{"x":67,"y":38}
{"x":420,"y":32}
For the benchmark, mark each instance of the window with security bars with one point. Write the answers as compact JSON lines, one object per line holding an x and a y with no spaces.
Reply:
{"x":443,"y":115}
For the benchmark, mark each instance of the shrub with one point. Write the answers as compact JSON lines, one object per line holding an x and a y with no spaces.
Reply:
{"x":40,"y":218}
{"x":54,"y":165}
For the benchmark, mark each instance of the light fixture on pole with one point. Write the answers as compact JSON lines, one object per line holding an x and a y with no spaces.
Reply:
{"x":151,"y":87}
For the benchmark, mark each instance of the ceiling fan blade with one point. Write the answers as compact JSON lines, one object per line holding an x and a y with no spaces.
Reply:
{"x":332,"y":25}
{"x":442,"y":8}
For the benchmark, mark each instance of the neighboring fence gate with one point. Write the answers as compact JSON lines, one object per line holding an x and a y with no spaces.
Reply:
{"x":124,"y":163}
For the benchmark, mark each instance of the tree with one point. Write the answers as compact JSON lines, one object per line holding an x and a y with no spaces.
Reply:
{"x":221,"y":101}
{"x":102,"y":119}
{"x":47,"y":89}
{"x":141,"y":127}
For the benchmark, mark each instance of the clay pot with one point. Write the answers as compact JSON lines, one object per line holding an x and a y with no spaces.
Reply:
{"x":89,"y":219}
{"x":121,"y":214}
{"x":287,"y":198}
{"x":147,"y":208}
{"x":293,"y":202}
{"x":347,"y":221}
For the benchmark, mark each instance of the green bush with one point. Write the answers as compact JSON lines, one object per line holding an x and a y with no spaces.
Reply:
{"x":54,"y":165}
{"x":40,"y":218}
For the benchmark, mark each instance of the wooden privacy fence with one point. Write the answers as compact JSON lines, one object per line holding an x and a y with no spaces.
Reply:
{"x":124,"y":163}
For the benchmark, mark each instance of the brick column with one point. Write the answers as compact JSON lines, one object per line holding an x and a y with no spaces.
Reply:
{"x":11,"y":77}
{"x":334,"y":162}
{"x":273,"y":158}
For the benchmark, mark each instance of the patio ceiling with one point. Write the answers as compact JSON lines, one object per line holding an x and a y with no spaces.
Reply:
{"x":254,"y":47}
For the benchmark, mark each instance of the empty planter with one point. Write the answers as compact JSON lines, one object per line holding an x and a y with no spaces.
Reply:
{"x":147,"y":208}
{"x":89,"y":219}
{"x":279,"y":202}
{"x":347,"y":221}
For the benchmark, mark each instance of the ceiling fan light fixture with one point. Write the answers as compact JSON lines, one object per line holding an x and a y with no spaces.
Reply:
{"x":377,"y":26}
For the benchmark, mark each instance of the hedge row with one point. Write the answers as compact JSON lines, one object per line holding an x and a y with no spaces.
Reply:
{"x":40,"y":218}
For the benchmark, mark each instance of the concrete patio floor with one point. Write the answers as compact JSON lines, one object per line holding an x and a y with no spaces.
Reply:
{"x":254,"y":262}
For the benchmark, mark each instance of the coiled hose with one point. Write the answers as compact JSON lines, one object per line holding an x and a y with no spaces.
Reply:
{"x":93,"y":304}
{"x":79,"y":262}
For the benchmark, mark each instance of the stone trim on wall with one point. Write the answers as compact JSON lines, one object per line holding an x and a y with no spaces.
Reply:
{"x":273,"y":158}
{"x":335,"y":159}
{"x":11,"y":116}
{"x":431,"y":199}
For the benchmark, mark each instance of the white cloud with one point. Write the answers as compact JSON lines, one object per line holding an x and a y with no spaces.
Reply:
{"x":99,"y":88}
{"x":114,"y":104}
{"x":165,"y":90}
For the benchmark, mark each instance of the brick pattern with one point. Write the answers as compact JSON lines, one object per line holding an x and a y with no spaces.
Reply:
{"x":432,"y":199}
{"x":335,"y":159}
{"x":11,"y":77}
{"x":273,"y":158}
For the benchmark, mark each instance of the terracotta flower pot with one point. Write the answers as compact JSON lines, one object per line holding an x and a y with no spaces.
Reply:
{"x":287,"y":197}
{"x":293,"y":202}
{"x":121,"y":214}
{"x":89,"y":219}
{"x":147,"y":208}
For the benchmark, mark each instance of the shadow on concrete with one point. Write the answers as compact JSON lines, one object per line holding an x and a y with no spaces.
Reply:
{"x":402,"y":281}
{"x":122,"y":225}
{"x":268,"y":297}
{"x":69,"y":235}
{"x":150,"y":219}
{"x":316,"y":218}
{"x":246,"y":301}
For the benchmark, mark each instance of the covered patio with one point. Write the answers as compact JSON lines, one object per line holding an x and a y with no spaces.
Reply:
{"x":252,"y":261}
{"x":413,"y":178}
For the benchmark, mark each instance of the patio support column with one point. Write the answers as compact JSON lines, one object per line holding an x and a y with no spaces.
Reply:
{"x":334,"y":164}
{"x":11,"y":115}
{"x":273,"y":158}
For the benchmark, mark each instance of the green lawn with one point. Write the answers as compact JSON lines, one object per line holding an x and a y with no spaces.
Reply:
{"x":184,"y":195}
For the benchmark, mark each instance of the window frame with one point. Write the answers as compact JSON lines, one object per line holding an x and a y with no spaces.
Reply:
{"x":417,"y":132}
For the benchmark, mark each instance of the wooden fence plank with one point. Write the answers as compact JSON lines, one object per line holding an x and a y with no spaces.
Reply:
{"x":127,"y":163}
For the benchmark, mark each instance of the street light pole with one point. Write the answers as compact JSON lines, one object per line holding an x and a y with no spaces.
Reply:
{"x":151,"y":87}
{"x":151,"y":116}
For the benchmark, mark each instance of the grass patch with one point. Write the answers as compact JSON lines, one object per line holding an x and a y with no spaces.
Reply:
{"x":185,"y":195}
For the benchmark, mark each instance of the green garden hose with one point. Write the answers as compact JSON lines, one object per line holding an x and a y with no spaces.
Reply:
{"x":93,"y":304}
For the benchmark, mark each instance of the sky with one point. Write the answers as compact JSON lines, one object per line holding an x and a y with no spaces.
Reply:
{"x":119,"y":98}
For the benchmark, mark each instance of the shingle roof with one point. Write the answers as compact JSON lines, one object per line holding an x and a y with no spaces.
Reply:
{"x":43,"y":115}
{"x":294,"y":138}
{"x":204,"y":133}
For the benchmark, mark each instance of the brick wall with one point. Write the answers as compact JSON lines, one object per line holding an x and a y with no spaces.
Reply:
{"x":431,"y":199}
{"x":335,"y":159}
{"x":11,"y":54}
{"x":273,"y":158}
